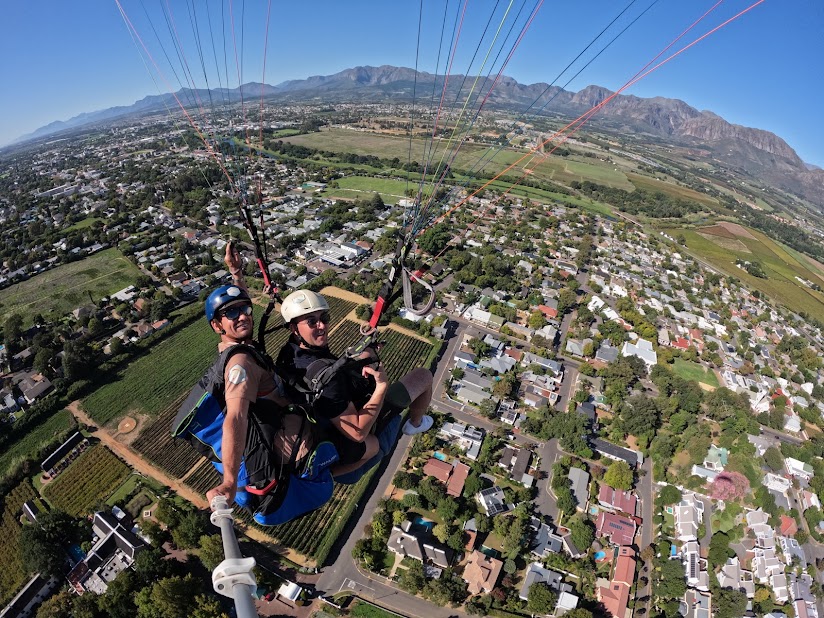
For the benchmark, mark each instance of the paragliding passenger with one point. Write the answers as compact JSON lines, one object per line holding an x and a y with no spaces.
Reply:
{"x":352,"y":402}
{"x":248,"y":376}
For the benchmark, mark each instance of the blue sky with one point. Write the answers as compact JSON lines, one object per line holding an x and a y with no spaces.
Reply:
{"x":763,"y":70}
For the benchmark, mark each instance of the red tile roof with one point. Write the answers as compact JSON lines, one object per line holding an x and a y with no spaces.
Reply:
{"x":618,"y":529}
{"x":455,"y":485}
{"x":437,"y":468}
{"x":623,"y":501}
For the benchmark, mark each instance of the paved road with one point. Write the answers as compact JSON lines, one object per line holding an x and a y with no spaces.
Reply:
{"x":646,"y":496}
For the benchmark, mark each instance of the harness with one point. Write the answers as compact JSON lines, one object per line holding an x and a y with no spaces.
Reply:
{"x":264,"y":474}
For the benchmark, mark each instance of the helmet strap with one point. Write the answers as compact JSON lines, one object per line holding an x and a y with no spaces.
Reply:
{"x":300,"y":340}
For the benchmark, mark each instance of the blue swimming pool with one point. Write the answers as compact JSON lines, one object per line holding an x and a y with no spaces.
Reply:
{"x":439,"y":455}
{"x":424,"y":523}
{"x":76,"y":553}
{"x":673,"y":550}
{"x":599,"y":555}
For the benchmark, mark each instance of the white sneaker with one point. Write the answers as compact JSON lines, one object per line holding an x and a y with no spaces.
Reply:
{"x":426,"y":424}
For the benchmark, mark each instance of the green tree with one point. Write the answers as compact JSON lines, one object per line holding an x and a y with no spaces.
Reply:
{"x":58,"y":605}
{"x":42,"y":545}
{"x":211,"y":551}
{"x":619,"y":475}
{"x":719,"y":549}
{"x":118,"y":602}
{"x":728,"y":603}
{"x":541,"y":599}
{"x":582,"y":532}
{"x":669,"y":495}
{"x":773,"y":458}
{"x":188,"y":532}
{"x":671,"y":583}
{"x":412,"y":579}
{"x":536,"y":320}
{"x":172,"y":597}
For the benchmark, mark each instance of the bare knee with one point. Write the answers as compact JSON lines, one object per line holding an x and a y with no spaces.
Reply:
{"x":417,"y":382}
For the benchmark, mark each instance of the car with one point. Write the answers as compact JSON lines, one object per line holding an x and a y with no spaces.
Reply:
{"x":269,"y":596}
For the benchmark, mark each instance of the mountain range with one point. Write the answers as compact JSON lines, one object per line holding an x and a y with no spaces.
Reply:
{"x":753,"y":151}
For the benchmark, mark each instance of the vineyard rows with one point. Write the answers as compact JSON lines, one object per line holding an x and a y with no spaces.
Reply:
{"x":12,"y":574}
{"x":204,"y":478}
{"x":152,"y":382}
{"x":175,"y":456}
{"x":89,"y":480}
{"x":276,"y":337}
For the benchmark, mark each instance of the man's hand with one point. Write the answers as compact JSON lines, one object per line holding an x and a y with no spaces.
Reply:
{"x":228,"y":489}
{"x":378,"y":373}
{"x":233,"y":259}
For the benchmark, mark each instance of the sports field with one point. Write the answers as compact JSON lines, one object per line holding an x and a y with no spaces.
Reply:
{"x":781,"y":266}
{"x":62,"y":289}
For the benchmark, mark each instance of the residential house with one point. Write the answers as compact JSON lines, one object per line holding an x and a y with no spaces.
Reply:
{"x":536,"y":573}
{"x":516,"y":462}
{"x":615,"y":594}
{"x":642,"y":349}
{"x":403,"y":542}
{"x":695,"y":567}
{"x":617,"y":453}
{"x":545,"y":540}
{"x":696,"y":604}
{"x":617,"y":500}
{"x":115,"y":550}
{"x":798,"y":469}
{"x":619,"y":529}
{"x":732,"y":575}
{"x":466,"y":437}
{"x":579,"y":485}
{"x":689,"y":513}
{"x":481,"y":573}
{"x":492,"y":501}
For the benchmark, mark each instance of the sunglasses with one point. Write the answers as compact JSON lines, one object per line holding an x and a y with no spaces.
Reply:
{"x":313,"y":321}
{"x":233,"y":313}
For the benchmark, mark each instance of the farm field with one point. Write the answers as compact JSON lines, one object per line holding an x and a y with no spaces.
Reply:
{"x":362,"y":187}
{"x":62,"y":289}
{"x":12,"y":574}
{"x":670,"y":188}
{"x":149,"y":384}
{"x":779,"y":265}
{"x":53,"y":430}
{"x":694,"y":371}
{"x":90,"y":479}
{"x":388,"y":146}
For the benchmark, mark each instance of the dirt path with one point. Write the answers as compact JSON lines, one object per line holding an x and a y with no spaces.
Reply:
{"x":134,"y":459}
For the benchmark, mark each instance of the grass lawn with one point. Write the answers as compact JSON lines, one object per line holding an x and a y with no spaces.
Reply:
{"x":668,"y":527}
{"x":723,"y":521}
{"x":363,"y":187}
{"x":82,"y":225}
{"x":62,"y":289}
{"x":779,"y":265}
{"x":122,"y":492}
{"x":51,"y":430}
{"x":362,"y":609}
{"x":693,"y":371}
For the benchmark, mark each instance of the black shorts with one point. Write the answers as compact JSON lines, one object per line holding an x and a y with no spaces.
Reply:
{"x":349,"y":451}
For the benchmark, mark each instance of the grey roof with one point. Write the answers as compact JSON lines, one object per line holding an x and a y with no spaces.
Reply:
{"x":579,"y":480}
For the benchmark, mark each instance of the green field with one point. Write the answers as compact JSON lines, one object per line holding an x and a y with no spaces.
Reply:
{"x":693,"y":371}
{"x":152,"y":382}
{"x":62,"y":289}
{"x":670,"y":188}
{"x":362,"y":187}
{"x":554,"y":168}
{"x":82,"y":225}
{"x":12,"y":573}
{"x":52,"y":430}
{"x":779,"y":265}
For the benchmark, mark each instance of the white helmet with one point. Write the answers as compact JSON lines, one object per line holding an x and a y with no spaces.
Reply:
{"x":300,"y":303}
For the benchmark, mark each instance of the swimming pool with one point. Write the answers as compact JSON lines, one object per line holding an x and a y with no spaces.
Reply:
{"x":438,"y":455}
{"x":600,"y":555}
{"x":426,"y":524}
{"x":76,"y":553}
{"x":673,"y":550}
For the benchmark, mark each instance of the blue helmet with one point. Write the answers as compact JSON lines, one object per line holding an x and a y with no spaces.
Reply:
{"x":222,"y":297}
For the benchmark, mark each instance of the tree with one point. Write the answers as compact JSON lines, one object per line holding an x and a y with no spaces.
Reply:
{"x":541,"y":599}
{"x":729,"y":486}
{"x":719,"y":549}
{"x":536,"y":320}
{"x":172,"y":597}
{"x":669,"y":495}
{"x":41,"y":545}
{"x":412,"y":579}
{"x":118,"y":602}
{"x":773,"y":458}
{"x":582,"y":532}
{"x":188,"y":532}
{"x":211,"y":551}
{"x":671,"y":583}
{"x":728,"y":603}
{"x":619,"y":475}
{"x":57,"y":606}
{"x":567,"y":299}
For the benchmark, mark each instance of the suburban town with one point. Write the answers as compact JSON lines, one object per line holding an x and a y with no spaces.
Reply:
{"x":620,"y":428}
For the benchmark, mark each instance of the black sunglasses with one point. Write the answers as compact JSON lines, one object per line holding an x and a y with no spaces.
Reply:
{"x":313,"y":321}
{"x":233,"y":313}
